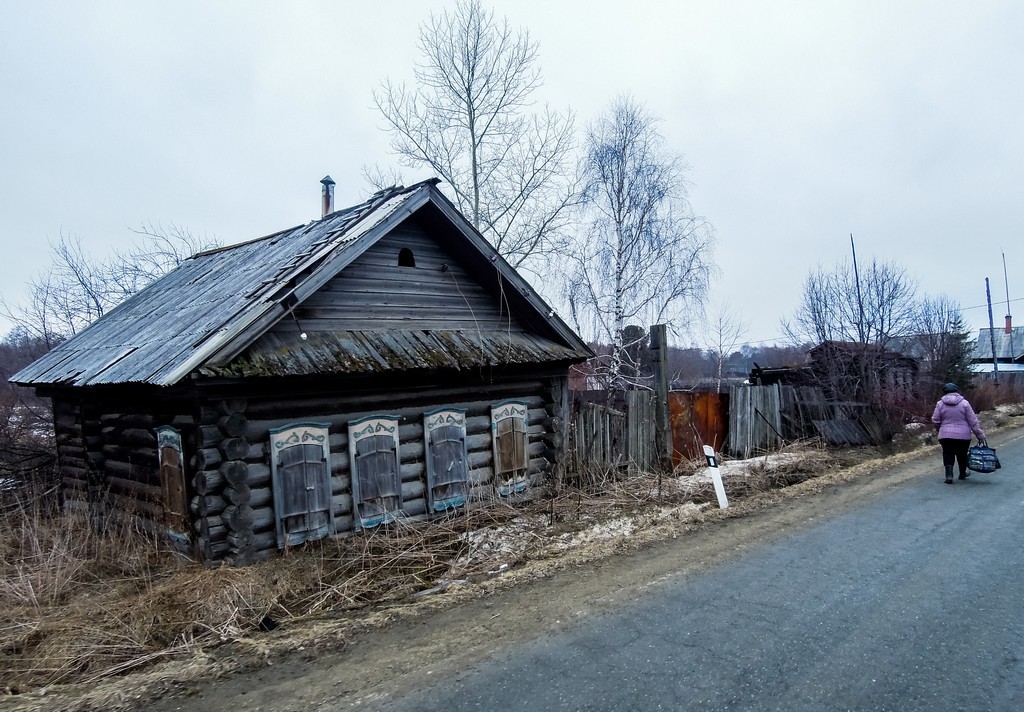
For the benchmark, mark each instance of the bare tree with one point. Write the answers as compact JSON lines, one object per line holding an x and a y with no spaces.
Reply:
{"x":944,"y":344}
{"x":723,"y":333}
{"x":469,"y":121}
{"x":647,"y":256}
{"x":869,"y":305}
{"x":77,"y":289}
{"x":27,"y":452}
{"x":856,"y":313}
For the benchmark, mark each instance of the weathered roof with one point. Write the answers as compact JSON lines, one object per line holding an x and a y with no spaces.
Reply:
{"x":393,"y":350}
{"x":216,"y":304}
{"x":1009,"y":347}
{"x":855,"y":349}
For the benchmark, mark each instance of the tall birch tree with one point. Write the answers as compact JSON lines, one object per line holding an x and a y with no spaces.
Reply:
{"x":469,"y":119}
{"x":646,"y":257}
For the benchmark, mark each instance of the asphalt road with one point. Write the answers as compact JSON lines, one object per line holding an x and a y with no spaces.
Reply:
{"x":913,"y":601}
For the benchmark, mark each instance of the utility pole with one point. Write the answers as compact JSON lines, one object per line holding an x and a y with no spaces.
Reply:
{"x":992,"y":333}
{"x":1009,"y":318}
{"x":663,"y":425}
{"x":860,"y":300}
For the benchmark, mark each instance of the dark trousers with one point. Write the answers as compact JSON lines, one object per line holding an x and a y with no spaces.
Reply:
{"x":955,"y":449}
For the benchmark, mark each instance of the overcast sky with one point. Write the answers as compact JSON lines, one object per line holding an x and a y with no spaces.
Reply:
{"x":802,"y":122}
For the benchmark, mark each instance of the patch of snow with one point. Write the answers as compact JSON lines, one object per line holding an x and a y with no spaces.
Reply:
{"x":738,"y":468}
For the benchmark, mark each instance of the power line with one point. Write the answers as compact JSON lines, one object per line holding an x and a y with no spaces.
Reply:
{"x":985,"y":306}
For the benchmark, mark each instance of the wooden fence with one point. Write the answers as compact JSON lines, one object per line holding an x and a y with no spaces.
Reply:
{"x":755,"y":420}
{"x":641,"y":431}
{"x":762,"y":418}
{"x":599,"y":437}
{"x":749,"y":421}
{"x":605,"y":438}
{"x":1009,"y":380}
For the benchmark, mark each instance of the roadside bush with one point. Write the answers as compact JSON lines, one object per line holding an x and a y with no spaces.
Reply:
{"x":987,"y":394}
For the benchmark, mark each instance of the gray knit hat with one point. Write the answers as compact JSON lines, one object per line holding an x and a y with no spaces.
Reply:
{"x":950,"y":388}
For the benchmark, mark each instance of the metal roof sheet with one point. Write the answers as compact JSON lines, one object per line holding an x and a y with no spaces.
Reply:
{"x":1008,"y":346}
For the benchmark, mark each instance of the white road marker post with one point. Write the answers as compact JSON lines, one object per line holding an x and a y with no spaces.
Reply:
{"x":716,"y":476}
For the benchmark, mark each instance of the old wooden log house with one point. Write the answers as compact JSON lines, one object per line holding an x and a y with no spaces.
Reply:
{"x":382,"y":362}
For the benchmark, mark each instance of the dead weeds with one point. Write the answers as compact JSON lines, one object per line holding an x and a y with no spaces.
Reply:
{"x":79,"y":606}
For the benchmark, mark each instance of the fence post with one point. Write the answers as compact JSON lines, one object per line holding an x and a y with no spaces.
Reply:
{"x":659,"y":359}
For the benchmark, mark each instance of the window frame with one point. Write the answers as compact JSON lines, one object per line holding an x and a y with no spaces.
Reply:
{"x":374,"y":426}
{"x":176,"y":518}
{"x":519,"y":480}
{"x":281,"y":439}
{"x":433,"y":422}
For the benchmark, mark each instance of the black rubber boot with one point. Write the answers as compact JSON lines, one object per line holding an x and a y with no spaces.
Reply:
{"x":964,"y":474}
{"x":949,"y":474}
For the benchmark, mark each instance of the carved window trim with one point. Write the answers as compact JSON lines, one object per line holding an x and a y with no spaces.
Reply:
{"x":313,"y":468}
{"x":510,"y":441}
{"x":171,"y":464}
{"x":444,"y":442}
{"x":376,"y":496}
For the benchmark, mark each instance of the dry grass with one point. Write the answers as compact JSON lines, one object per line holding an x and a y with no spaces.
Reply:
{"x":79,"y":606}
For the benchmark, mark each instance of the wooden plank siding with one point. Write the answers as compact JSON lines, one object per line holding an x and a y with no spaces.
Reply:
{"x":375,"y":293}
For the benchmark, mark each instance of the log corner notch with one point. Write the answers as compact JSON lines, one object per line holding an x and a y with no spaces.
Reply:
{"x":222,"y":504}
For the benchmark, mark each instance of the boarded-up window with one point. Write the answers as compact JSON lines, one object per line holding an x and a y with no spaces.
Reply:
{"x":376,"y":477}
{"x":172,"y":482}
{"x":302,"y":483}
{"x":510,"y":441}
{"x":445,"y":437}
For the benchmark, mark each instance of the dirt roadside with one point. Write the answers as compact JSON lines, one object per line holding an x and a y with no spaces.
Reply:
{"x":362,"y":660}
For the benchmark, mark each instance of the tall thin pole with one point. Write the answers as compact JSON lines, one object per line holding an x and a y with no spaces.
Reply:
{"x":992,"y":332}
{"x":1009,"y":318}
{"x":860,"y":300}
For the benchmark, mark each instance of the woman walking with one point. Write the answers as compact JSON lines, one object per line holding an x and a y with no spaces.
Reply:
{"x":955,"y":420}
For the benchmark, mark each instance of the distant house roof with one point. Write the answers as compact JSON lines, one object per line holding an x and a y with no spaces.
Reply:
{"x":856,"y":349}
{"x":1009,"y":347}
{"x":202,"y":316}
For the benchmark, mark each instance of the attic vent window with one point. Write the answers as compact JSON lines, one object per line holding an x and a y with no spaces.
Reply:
{"x":406,"y":258}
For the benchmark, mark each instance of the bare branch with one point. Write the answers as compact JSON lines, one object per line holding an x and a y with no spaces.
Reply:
{"x":647,"y":257}
{"x":468,"y":120}
{"x":77,"y":289}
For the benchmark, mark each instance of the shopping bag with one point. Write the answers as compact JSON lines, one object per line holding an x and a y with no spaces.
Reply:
{"x":982,"y":458}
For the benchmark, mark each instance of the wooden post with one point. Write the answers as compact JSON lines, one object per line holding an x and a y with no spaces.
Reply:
{"x":663,"y":428}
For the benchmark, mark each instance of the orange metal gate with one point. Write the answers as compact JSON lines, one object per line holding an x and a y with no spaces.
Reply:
{"x":697,"y":419}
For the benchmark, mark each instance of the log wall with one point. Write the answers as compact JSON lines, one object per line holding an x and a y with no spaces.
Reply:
{"x":110,"y":464}
{"x":107,"y":454}
{"x":234,"y":503}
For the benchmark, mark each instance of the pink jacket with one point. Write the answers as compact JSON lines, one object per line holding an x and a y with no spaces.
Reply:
{"x":954,"y":418}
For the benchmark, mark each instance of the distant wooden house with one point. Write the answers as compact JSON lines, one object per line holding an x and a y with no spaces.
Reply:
{"x":850,"y":370}
{"x":382,"y":362}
